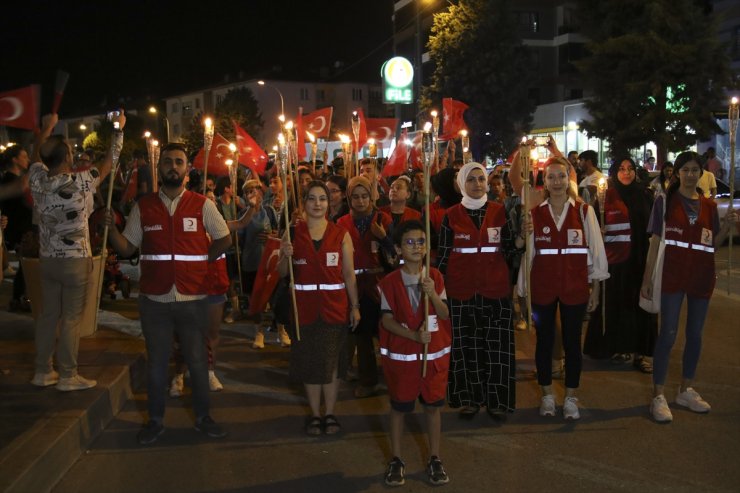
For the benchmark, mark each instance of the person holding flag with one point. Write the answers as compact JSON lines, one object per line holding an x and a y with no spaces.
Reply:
{"x":473,"y":239}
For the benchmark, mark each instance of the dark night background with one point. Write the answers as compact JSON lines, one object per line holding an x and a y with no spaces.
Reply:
{"x":148,"y":50}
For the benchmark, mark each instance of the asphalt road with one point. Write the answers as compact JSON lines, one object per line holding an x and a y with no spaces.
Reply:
{"x":614,"y":447}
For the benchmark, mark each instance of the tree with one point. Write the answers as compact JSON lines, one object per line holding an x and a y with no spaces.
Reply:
{"x":237,"y":105}
{"x":481,"y":61}
{"x":99,"y":140}
{"x":657,"y":71}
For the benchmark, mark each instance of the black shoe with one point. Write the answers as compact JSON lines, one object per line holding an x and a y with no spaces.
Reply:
{"x":469,"y":412}
{"x":497,"y":414}
{"x":150,"y":432}
{"x":436,"y":471}
{"x":394,"y":473}
{"x":209,"y":427}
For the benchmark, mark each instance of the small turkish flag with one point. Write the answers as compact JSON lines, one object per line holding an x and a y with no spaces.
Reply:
{"x":18,"y":108}
{"x":267,"y":276}
{"x":452,"y":118}
{"x":220,"y":152}
{"x":250,"y":154}
{"x":396,"y":164}
{"x":319,"y":122}
{"x":382,"y":129}
{"x":362,"y":137}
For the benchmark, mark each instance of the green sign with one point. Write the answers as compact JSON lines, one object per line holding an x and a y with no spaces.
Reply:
{"x":398,"y":77}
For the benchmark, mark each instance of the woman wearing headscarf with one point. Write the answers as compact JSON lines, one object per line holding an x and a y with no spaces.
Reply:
{"x":472,"y":240}
{"x":630,"y":330}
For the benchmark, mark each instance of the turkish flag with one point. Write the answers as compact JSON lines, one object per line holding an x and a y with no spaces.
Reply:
{"x":452,"y":118}
{"x":416,"y":156}
{"x":319,"y":122}
{"x":19,"y":108}
{"x":362,"y":137}
{"x":382,"y":129}
{"x":251,"y":155}
{"x":300,"y":140}
{"x":220,"y":152}
{"x":396,"y":164}
{"x":267,"y":276}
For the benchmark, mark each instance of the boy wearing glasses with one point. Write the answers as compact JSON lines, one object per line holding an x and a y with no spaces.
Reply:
{"x":403,"y":333}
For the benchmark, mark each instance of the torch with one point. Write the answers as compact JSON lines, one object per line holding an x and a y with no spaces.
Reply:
{"x":207,"y":143}
{"x":732,"y":116}
{"x":283,"y":152}
{"x":356,"y":133}
{"x":601,"y":196}
{"x":155,"y":156}
{"x":465,"y":143}
{"x":60,"y":84}
{"x":346,"y":150}
{"x":427,"y":147}
{"x":435,"y":137}
{"x":234,"y":198}
{"x":372,"y":147}
{"x":314,"y":151}
{"x":525,"y":156}
{"x":290,"y":161}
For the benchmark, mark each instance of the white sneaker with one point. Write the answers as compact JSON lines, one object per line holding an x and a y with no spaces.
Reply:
{"x":45,"y":379}
{"x":283,"y":337}
{"x":547,"y":406}
{"x":177,"y":385}
{"x":77,"y":382}
{"x":570,"y":408}
{"x":213,"y":382}
{"x":259,"y":340}
{"x":660,"y":411}
{"x":690,"y":398}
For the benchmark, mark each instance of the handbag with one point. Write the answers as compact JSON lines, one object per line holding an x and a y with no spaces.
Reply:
{"x":656,"y":279}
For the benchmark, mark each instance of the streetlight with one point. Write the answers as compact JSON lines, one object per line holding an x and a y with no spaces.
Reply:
{"x":153,"y":111}
{"x":282,"y":100}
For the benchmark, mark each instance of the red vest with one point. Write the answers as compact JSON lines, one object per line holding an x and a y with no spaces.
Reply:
{"x":174,"y":250}
{"x":476,"y":263}
{"x":218,"y":277}
{"x":436,"y":215}
{"x":618,"y":233}
{"x":408,"y":214}
{"x":367,"y":254}
{"x":402,"y":357}
{"x":689,"y":250}
{"x":560,"y":264}
{"x":319,"y":282}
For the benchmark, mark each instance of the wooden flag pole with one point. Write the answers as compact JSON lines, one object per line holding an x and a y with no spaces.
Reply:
{"x":524,"y":156}
{"x":427,"y":145}
{"x":285,"y":165}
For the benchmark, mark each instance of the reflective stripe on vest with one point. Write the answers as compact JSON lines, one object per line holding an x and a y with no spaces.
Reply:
{"x":564,"y":251}
{"x":617,"y":227}
{"x":616,"y":238}
{"x":319,"y":287}
{"x":476,"y":250}
{"x":414,"y":357}
{"x":693,"y":246}
{"x":376,"y":270}
{"x":182,"y":258}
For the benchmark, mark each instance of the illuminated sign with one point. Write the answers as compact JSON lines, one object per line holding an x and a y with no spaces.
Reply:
{"x":398,"y":77}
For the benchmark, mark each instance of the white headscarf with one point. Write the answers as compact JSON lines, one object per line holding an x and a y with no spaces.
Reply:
{"x":467,"y":201}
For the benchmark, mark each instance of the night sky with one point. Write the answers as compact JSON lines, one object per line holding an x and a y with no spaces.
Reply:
{"x":148,"y":50}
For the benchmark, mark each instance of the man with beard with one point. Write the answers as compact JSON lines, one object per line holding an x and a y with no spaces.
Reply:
{"x":179,"y":234}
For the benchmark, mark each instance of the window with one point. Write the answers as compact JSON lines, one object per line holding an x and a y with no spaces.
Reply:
{"x":219,"y":98}
{"x":304,"y":94}
{"x":320,"y":95}
{"x":576,"y":93}
{"x":187,"y":106}
{"x":197,"y":103}
{"x":356,"y":94}
{"x":175,"y":107}
{"x":375,"y":97}
{"x":176,"y":128}
{"x":528,"y":21}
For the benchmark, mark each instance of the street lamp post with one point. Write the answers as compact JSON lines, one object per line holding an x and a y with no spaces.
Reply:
{"x":282,"y":100}
{"x":154,"y":111}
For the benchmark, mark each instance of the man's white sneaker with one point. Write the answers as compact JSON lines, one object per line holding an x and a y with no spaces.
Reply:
{"x":77,"y":382}
{"x":570,"y":408}
{"x":690,"y":398}
{"x":660,"y":411}
{"x":45,"y":379}
{"x":213,"y":382}
{"x":177,"y":385}
{"x":547,"y":406}
{"x":259,"y":340}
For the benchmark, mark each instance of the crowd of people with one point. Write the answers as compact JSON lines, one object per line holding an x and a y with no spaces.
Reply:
{"x":355,"y":247}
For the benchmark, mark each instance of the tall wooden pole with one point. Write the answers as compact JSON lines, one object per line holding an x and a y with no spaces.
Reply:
{"x":284,"y":154}
{"x":601,"y":195}
{"x":427,"y":145}
{"x":733,"y":119}
{"x":524,"y":156}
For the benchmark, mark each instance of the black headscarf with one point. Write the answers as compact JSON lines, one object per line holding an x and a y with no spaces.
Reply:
{"x":443,"y":184}
{"x":638,"y":200}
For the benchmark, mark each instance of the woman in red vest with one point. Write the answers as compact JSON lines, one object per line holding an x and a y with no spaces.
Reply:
{"x":630,"y":330}
{"x":368,"y":229}
{"x":326,"y":292}
{"x":692,"y":232}
{"x":567,"y":255}
{"x":472,"y":240}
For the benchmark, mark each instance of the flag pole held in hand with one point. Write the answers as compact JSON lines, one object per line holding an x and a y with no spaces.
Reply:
{"x":427,"y":145}
{"x":283,"y":156}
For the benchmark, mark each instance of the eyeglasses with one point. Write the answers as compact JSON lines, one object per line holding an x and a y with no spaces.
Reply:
{"x":420,"y":242}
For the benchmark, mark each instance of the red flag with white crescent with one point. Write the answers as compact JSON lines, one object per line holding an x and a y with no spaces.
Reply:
{"x":319,"y":122}
{"x":362,"y":138}
{"x":267,"y":276}
{"x":382,"y":129}
{"x":251,"y":155}
{"x":19,"y":108}
{"x":452,"y":118}
{"x":220,"y":152}
{"x":396,"y":164}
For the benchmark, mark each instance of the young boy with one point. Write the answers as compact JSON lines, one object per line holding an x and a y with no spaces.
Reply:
{"x":403,"y":333}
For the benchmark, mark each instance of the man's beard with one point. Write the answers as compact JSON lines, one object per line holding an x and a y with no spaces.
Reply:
{"x":172,"y":182}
